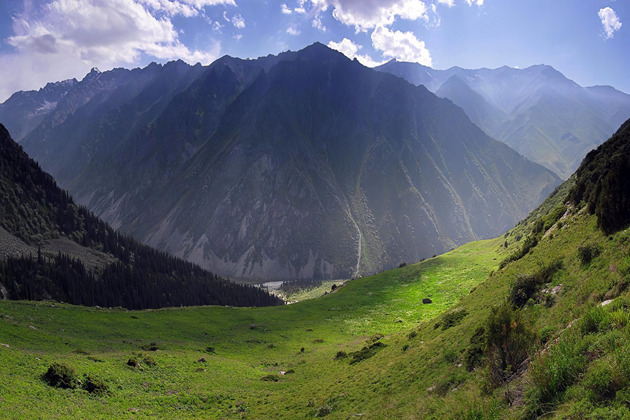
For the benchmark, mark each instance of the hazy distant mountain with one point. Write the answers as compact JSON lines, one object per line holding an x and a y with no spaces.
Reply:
{"x":537,"y":111}
{"x":50,"y":248}
{"x":23,"y":111}
{"x":301,"y":165}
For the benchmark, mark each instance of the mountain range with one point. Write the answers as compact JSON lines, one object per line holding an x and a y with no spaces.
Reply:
{"x":301,"y":165}
{"x":537,"y":110}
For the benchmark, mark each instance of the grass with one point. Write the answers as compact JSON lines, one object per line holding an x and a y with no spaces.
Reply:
{"x":403,"y":359}
{"x":250,"y":344}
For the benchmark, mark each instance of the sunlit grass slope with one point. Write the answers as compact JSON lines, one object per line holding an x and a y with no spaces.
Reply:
{"x":240,"y":346}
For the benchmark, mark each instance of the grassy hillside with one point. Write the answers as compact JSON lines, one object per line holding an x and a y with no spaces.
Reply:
{"x":249,"y":344}
{"x":419,"y":370}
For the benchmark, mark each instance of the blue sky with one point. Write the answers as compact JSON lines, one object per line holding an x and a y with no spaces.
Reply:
{"x":51,"y":40}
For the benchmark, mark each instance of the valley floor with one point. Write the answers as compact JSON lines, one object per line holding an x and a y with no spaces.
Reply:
{"x":255,"y":362}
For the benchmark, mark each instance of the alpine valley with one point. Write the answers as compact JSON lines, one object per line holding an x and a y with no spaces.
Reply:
{"x":302,"y":165}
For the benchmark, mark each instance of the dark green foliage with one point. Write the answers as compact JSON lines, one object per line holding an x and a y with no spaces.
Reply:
{"x":210,"y":349}
{"x":508,"y":339}
{"x":474,"y":352}
{"x":150,"y":347}
{"x":94,"y":385}
{"x":148,"y":360}
{"x":603,"y":182}
{"x":452,"y":318}
{"x":450,"y":356}
{"x":270,"y":378}
{"x":546,"y":333}
{"x":366,"y":352}
{"x":341,"y":355}
{"x":133,"y":362}
{"x":35,"y":209}
{"x":587,"y":252}
{"x":450,"y":382}
{"x":60,"y":375}
{"x":595,"y":320}
{"x":323,"y":411}
{"x":526,"y":286}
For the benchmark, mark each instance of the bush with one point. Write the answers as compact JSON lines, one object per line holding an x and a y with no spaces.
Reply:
{"x":150,"y":347}
{"x":94,"y":385}
{"x":341,"y":355}
{"x":587,"y":252}
{"x":526,"y":286}
{"x":546,"y":333}
{"x":366,"y":352}
{"x":323,"y":411}
{"x":450,"y":319}
{"x":474,"y":351}
{"x":60,"y":375}
{"x":508,"y":340}
{"x":149,"y":360}
{"x":450,"y":356}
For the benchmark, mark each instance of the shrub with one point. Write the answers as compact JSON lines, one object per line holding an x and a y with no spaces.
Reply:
{"x":450,"y":356}
{"x":366,"y":352}
{"x":94,"y":385}
{"x":60,"y":375}
{"x":323,"y":411}
{"x":546,"y":333}
{"x":450,"y":319}
{"x":210,"y":349}
{"x":474,"y":351}
{"x":587,"y":252}
{"x":149,"y":360}
{"x":526,"y":286}
{"x":412,"y":335}
{"x":450,"y":382}
{"x":270,"y":378}
{"x":341,"y":355}
{"x":150,"y":347}
{"x":508,"y":339}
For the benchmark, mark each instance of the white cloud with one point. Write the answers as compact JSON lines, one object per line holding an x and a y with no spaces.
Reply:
{"x":187,"y":8}
{"x":368,"y":14}
{"x":238,"y":21}
{"x":449,"y":3}
{"x":610,"y":21}
{"x":477,"y":2}
{"x":285,"y":9}
{"x":350,"y":49}
{"x":317,"y":23}
{"x":292,"y":31}
{"x":300,"y":9}
{"x":400,"y":45}
{"x":68,"y":37}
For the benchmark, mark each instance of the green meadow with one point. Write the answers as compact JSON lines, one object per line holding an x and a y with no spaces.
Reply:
{"x":239,"y":346}
{"x":370,"y":349}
